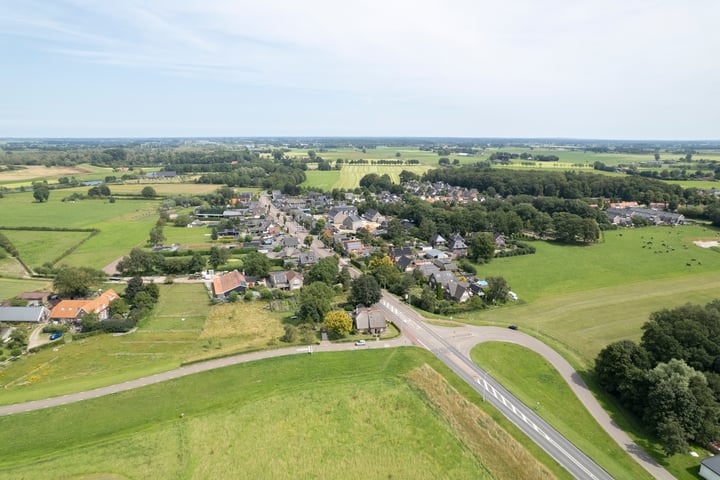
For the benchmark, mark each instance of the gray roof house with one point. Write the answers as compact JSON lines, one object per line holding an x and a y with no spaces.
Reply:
{"x":370,"y":320}
{"x":307,"y":258}
{"x":710,"y":468}
{"x":352,"y":222}
{"x":24,"y":314}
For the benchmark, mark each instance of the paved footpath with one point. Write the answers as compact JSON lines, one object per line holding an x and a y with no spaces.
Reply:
{"x":189,"y":370}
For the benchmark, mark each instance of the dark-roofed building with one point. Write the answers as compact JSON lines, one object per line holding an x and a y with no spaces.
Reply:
{"x":457,"y":246}
{"x":710,"y":468}
{"x":288,"y":280}
{"x":339,"y":213}
{"x":24,"y":314}
{"x":370,"y":320}
{"x":353,"y":223}
{"x":307,"y":258}
{"x":34,"y":299}
{"x":437,"y":240}
{"x":397,"y":252}
{"x":372,"y":215}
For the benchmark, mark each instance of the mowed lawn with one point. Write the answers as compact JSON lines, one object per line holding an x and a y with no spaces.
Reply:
{"x":579,"y":299}
{"x":331,"y":415}
{"x":134,"y":187}
{"x":538,"y":385}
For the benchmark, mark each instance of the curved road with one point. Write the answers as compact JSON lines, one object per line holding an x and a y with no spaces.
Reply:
{"x":465,"y":337}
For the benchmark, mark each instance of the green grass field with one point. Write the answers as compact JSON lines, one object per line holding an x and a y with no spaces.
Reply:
{"x":350,"y":175}
{"x":184,"y":327}
{"x":324,"y":180}
{"x":324,"y":415}
{"x":39,"y":247}
{"x":10,"y":288}
{"x":582,"y":298}
{"x":123,"y":225}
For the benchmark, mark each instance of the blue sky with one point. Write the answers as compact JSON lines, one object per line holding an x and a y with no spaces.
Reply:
{"x":629,"y":69}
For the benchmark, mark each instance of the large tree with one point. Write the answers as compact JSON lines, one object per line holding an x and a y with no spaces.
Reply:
{"x":481,"y":248}
{"x":338,"y":322}
{"x":315,"y":301}
{"x":148,"y":192}
{"x":218,"y":256}
{"x":325,"y":270}
{"x":256,"y":264}
{"x":365,"y":290}
{"x":41,"y":192}
{"x":76,"y":281}
{"x":497,"y":290}
{"x":139,"y":262}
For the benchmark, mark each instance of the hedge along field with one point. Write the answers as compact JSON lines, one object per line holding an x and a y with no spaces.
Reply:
{"x":288,"y":417}
{"x":38,"y":247}
{"x":123,"y":225}
{"x":381,"y":153}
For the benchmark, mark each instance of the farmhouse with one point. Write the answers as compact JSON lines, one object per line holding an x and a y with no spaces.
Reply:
{"x":73,"y":310}
{"x":224,"y":285}
{"x":24,"y":314}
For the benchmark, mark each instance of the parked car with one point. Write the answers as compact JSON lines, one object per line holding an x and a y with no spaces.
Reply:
{"x":513,"y":327}
{"x":360,"y":343}
{"x":55,"y":336}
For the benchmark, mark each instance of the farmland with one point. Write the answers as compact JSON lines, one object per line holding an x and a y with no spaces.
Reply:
{"x":350,"y":175}
{"x":582,"y":298}
{"x":322,"y":406}
{"x":184,"y":327}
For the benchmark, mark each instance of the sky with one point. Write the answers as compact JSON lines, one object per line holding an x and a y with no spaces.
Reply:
{"x":609,"y":69}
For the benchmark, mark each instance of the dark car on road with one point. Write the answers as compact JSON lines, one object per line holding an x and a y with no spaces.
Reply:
{"x":513,"y":327}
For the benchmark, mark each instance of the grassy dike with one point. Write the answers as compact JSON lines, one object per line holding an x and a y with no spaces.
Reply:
{"x":374,"y":413}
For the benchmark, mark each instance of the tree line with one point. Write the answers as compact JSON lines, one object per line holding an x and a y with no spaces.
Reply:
{"x":671,"y":379}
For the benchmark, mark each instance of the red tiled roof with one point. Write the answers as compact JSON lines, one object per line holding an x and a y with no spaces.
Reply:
{"x":225,"y":283}
{"x":74,"y":308}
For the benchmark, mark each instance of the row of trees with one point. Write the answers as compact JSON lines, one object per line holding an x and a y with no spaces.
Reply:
{"x":141,"y":262}
{"x":671,"y":379}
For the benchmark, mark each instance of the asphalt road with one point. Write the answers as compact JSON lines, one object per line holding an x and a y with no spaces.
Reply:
{"x":557,"y":446}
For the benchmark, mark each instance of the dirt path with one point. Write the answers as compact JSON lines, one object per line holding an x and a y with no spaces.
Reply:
{"x":34,"y":339}
{"x":111,"y":268}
